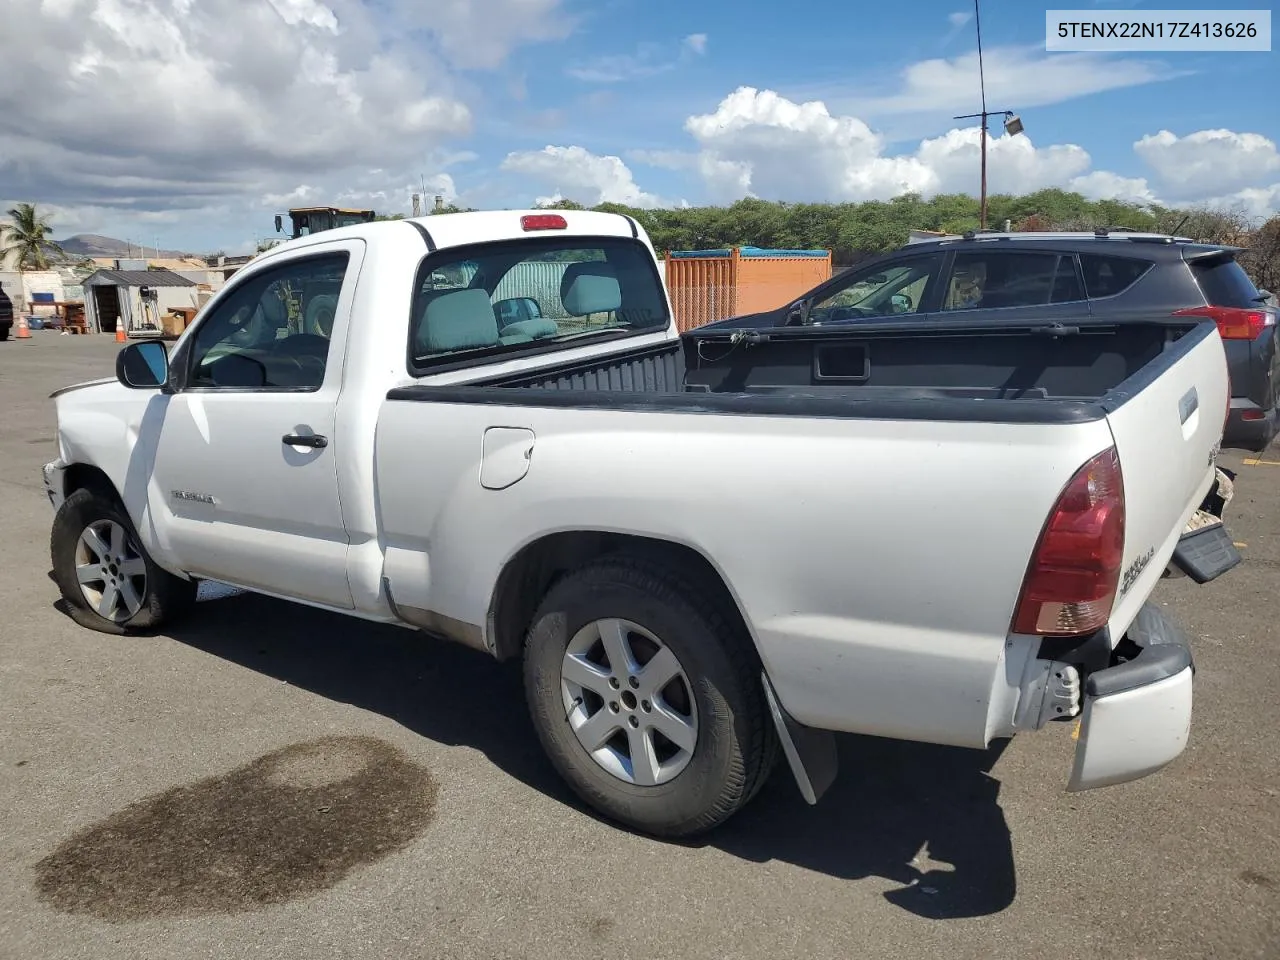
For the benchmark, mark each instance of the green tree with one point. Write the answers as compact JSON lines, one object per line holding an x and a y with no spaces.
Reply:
{"x":26,"y":238}
{"x":1262,"y":259}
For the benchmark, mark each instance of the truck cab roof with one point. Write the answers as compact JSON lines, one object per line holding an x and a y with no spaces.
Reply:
{"x":481,"y":226}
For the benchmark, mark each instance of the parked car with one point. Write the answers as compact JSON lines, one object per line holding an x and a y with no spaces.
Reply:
{"x":707,"y":549}
{"x":6,"y":314}
{"x":1016,"y":277}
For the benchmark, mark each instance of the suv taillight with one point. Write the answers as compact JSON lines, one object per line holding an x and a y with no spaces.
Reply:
{"x":1234,"y":323}
{"x":1071,"y":582}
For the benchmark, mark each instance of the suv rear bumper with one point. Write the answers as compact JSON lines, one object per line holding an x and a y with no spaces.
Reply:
{"x":1249,"y":426}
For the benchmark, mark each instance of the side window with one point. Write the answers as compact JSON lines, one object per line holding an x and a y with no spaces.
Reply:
{"x":992,"y":280}
{"x":273,"y":330}
{"x":886,"y":291}
{"x":1107,"y":276}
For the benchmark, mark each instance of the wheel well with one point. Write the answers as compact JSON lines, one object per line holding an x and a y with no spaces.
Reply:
{"x":82,"y":476}
{"x":528,"y":576}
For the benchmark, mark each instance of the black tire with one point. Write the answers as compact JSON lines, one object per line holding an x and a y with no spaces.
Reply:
{"x":736,"y":745}
{"x":164,"y":597}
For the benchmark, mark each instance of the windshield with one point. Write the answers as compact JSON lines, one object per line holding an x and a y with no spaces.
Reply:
{"x":506,"y":297}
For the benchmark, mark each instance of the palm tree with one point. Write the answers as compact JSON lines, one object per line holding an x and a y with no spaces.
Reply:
{"x":27,"y":238}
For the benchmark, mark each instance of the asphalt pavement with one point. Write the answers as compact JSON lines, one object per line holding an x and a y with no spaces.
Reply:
{"x":272,"y":781}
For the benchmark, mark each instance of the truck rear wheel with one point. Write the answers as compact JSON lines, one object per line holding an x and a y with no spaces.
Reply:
{"x":647,"y":698}
{"x":105,"y":576}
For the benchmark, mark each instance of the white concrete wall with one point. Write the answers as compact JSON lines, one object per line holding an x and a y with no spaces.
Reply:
{"x":32,"y":281}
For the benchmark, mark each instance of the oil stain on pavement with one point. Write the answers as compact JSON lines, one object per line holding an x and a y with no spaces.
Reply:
{"x":289,"y":824}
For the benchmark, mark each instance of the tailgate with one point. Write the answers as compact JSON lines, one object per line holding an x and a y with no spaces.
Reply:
{"x":1167,"y":422}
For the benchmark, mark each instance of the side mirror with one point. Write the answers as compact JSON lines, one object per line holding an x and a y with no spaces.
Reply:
{"x":143,"y":365}
{"x":279,"y":223}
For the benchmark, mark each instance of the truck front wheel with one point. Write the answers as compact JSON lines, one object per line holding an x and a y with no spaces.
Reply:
{"x":107,"y":580}
{"x":647,"y":699}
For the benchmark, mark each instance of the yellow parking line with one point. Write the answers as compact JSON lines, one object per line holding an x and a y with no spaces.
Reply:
{"x":1239,"y":543}
{"x":1255,"y":462}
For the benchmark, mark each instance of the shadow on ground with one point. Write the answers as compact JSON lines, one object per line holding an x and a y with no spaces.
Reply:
{"x":892,"y":802}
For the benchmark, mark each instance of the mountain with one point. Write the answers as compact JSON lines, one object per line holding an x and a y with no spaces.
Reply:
{"x":94,"y":245}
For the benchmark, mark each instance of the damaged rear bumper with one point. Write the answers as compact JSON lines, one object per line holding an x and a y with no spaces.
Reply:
{"x":1136,"y":716}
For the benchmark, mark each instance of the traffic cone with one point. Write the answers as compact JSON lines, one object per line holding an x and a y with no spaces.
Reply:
{"x":120,"y":337}
{"x":24,"y":332}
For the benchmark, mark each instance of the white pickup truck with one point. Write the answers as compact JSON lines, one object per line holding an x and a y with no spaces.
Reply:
{"x":708,"y":549}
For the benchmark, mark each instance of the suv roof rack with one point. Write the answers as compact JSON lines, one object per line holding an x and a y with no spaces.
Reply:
{"x":1101,"y":233}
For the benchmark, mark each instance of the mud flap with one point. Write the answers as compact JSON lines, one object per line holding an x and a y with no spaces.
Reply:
{"x":810,"y":753}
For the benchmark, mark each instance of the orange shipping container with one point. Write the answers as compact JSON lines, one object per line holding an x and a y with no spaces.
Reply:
{"x":709,"y":285}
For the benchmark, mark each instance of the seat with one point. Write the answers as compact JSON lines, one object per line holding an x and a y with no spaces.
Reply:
{"x":590,"y":287}
{"x":456,"y":320}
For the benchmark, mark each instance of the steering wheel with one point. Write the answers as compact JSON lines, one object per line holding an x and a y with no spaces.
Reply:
{"x":308,"y":345}
{"x":848,"y":313}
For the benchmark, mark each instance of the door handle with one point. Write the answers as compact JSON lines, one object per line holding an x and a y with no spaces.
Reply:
{"x":313,"y":440}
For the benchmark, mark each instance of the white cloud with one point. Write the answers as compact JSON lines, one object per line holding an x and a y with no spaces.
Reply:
{"x":175,"y":105}
{"x":760,"y":143}
{"x":959,"y":18}
{"x":310,"y":12}
{"x":1016,"y":78}
{"x":583,"y":176}
{"x":1256,"y":203}
{"x":478,"y":34}
{"x":647,"y":60}
{"x":1209,"y":160}
{"x":1104,"y":185}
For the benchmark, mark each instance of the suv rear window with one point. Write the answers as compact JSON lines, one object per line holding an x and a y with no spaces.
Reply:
{"x":500,"y":298}
{"x":1106,"y":276}
{"x":1224,"y":283}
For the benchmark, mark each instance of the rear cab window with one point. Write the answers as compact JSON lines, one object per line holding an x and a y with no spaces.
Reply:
{"x":532,"y":295}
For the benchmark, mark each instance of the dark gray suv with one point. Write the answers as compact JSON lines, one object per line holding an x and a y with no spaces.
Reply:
{"x":1035,"y":277}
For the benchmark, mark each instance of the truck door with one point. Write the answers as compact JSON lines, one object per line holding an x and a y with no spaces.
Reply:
{"x":245,"y":477}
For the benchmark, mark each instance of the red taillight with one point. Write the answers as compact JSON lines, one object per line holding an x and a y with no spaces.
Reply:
{"x":1071,"y":582}
{"x":1234,"y":323}
{"x":544,"y":221}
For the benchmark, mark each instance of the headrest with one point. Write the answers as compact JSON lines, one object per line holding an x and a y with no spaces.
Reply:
{"x":457,"y":320}
{"x":274,"y":310}
{"x":590,"y":287}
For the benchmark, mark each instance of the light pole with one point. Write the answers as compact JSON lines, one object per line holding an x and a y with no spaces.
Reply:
{"x":1012,"y":125}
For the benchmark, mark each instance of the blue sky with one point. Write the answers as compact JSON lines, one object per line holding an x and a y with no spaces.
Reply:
{"x":197,"y":135}
{"x":845,"y":57}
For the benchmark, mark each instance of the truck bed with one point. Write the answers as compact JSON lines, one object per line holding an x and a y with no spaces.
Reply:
{"x":1048,"y":374}
{"x":848,"y":452}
